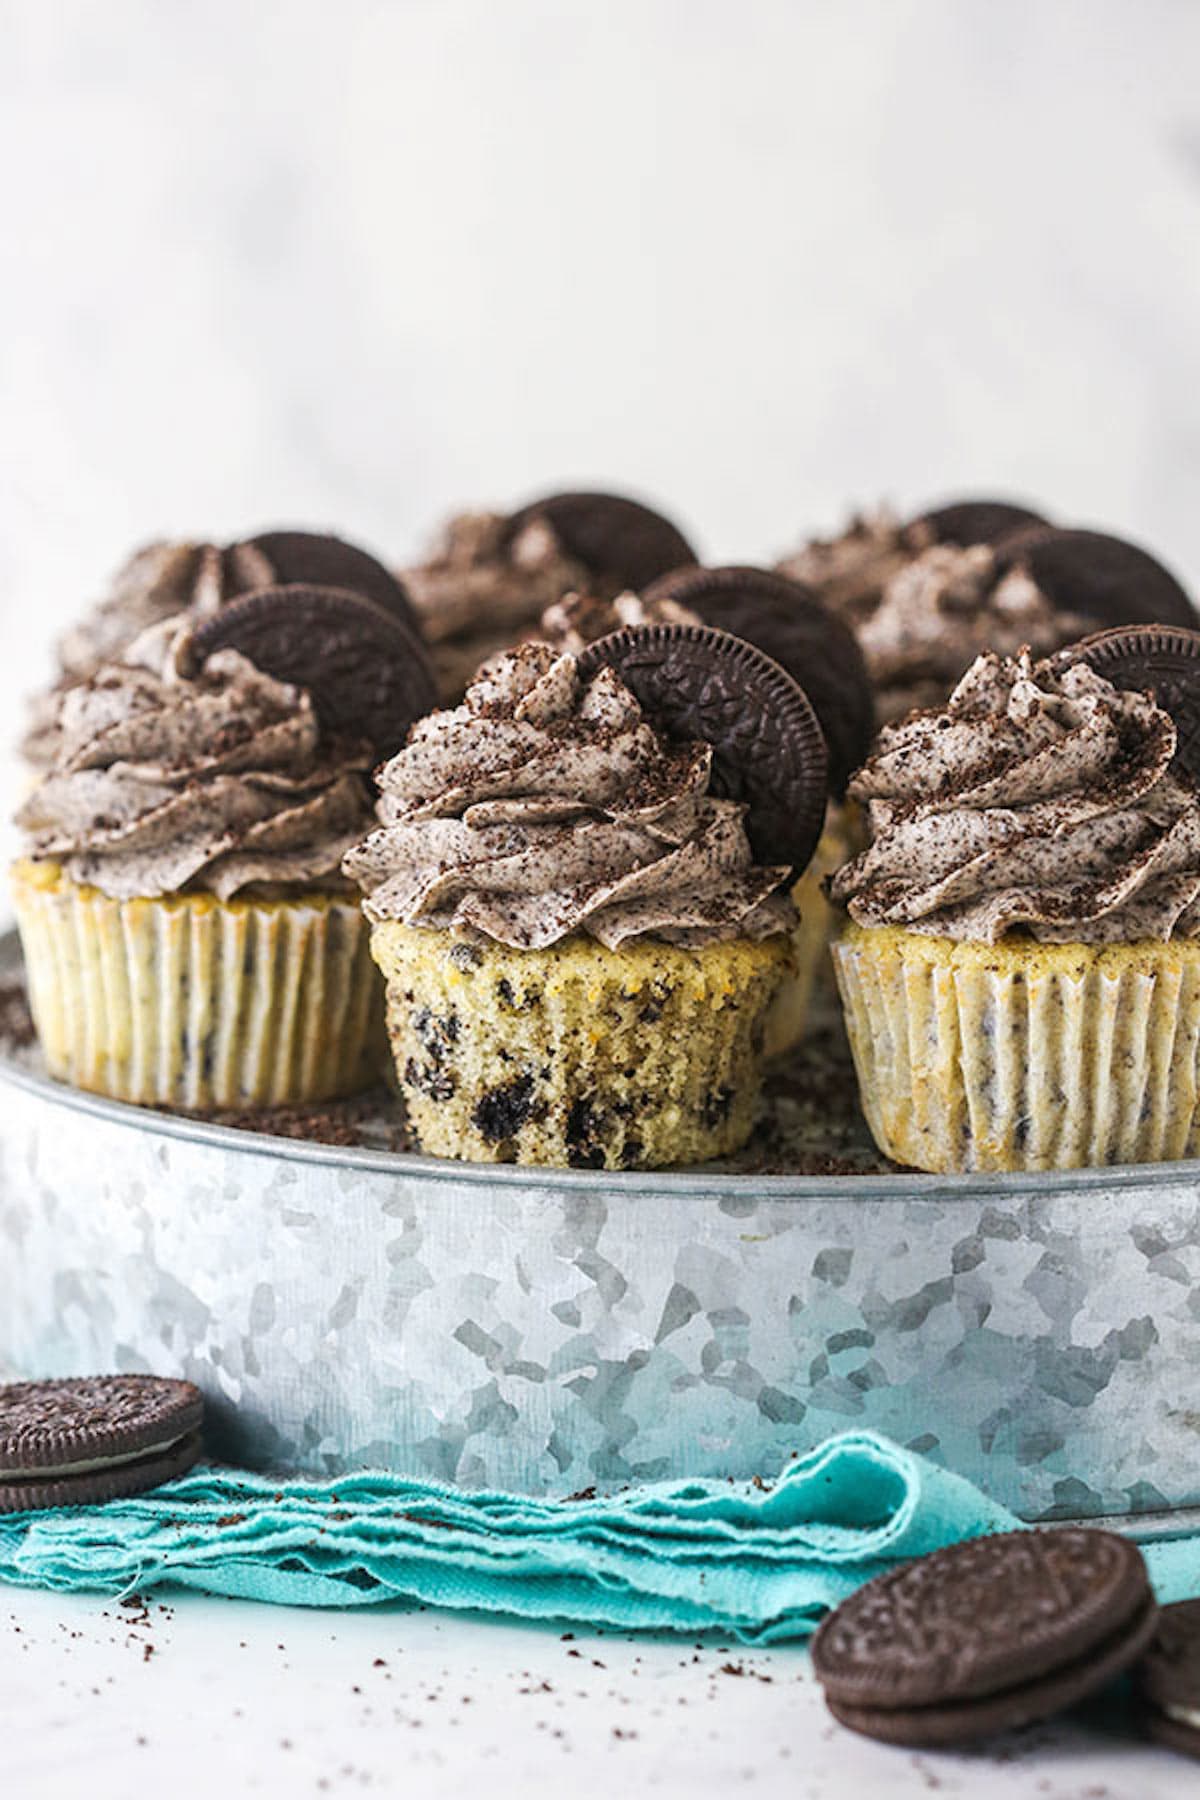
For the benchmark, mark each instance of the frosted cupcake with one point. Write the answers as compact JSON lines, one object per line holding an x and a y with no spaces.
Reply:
{"x":488,"y":580}
{"x":166,"y":578}
{"x":188,"y":935}
{"x":579,"y":899}
{"x":1021,"y":969}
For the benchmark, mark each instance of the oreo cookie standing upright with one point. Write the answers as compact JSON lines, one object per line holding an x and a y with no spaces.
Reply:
{"x":1168,"y":1679}
{"x":1095,"y":576}
{"x":620,"y":542}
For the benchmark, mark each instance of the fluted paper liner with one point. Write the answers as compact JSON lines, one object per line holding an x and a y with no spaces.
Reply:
{"x":193,"y":1002}
{"x":1022,"y":1055}
{"x":576,"y":1055}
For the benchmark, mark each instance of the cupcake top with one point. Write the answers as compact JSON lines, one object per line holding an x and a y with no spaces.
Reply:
{"x":548,"y":805}
{"x":1043,"y":801}
{"x":850,"y":571}
{"x":175,"y":770}
{"x":943,"y":609}
{"x":578,"y":620}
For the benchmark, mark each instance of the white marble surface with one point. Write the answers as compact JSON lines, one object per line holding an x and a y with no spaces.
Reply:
{"x":216,"y":1697}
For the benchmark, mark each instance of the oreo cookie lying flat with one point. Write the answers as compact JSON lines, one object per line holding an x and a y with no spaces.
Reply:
{"x":316,"y":559}
{"x":1101,"y":577}
{"x":79,"y":1442}
{"x":619,"y":541}
{"x":985,"y":1635}
{"x":368,"y":674}
{"x":1156,"y":659}
{"x":786,"y":620}
{"x":1168,"y":1679}
{"x":767,"y":744}
{"x":968,"y":522}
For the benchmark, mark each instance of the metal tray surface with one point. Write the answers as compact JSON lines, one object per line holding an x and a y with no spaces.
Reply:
{"x":548,"y":1331}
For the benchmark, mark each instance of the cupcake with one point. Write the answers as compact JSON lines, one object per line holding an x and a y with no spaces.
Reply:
{"x":850,"y":572}
{"x":488,"y":580}
{"x":1020,"y":971}
{"x":166,"y":578}
{"x":189,"y":938}
{"x":578,"y":894}
{"x":1042,"y":589}
{"x":818,"y":650}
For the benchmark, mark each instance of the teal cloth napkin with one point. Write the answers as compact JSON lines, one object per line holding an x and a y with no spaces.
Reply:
{"x":761,"y":1563}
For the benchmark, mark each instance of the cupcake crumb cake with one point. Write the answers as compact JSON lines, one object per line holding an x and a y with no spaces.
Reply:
{"x":579,"y":942}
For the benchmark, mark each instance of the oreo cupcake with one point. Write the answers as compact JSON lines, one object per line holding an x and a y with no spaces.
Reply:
{"x":166,"y":578}
{"x":819,"y":651}
{"x":1039,"y":589}
{"x":578,"y":894}
{"x":1021,"y":967}
{"x":491,"y":576}
{"x":189,"y":938}
{"x":850,"y":572}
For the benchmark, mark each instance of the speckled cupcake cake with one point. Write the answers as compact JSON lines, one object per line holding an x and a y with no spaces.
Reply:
{"x":490,"y":578}
{"x":1021,"y":969}
{"x":578,"y":894}
{"x":189,"y":938}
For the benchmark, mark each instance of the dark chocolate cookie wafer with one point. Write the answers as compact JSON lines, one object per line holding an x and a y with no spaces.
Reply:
{"x":1100,"y":577}
{"x":369,"y":676}
{"x":967,"y":522}
{"x":318,"y":560}
{"x":78,"y":1442}
{"x":1155,"y":659}
{"x":767,"y":744}
{"x":786,"y":620}
{"x":985,"y":1635}
{"x":621,"y":542}
{"x":1168,"y":1678}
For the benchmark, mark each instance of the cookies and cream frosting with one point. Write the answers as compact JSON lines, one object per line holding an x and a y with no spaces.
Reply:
{"x":546,"y":806}
{"x":943,"y":609}
{"x":172,"y":773}
{"x":578,"y":620}
{"x":850,"y":571}
{"x":1043,"y":801}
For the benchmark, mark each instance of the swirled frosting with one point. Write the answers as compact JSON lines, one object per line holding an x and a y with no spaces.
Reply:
{"x":477,"y":591}
{"x":544,"y":806}
{"x":942,"y":610}
{"x":170,"y":776}
{"x":849,"y":572}
{"x":1042,"y":801}
{"x":578,"y":620}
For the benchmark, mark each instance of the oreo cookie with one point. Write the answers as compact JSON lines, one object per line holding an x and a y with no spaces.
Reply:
{"x":789,"y":623}
{"x":315,"y":559}
{"x":1102,"y":578}
{"x":368,"y":674}
{"x":1152,"y":659}
{"x":967,"y":522}
{"x":767,"y":744}
{"x":1168,"y":1679}
{"x":620,"y":542}
{"x":985,"y":1636}
{"x":80,"y":1442}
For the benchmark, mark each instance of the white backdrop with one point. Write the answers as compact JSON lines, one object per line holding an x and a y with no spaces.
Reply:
{"x":351,"y":263}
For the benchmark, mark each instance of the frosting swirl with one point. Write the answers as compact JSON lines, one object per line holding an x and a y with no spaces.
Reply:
{"x":1041,"y":801}
{"x":545,"y":806}
{"x":849,"y":572}
{"x":169,"y":777}
{"x":578,"y":620}
{"x":943,"y":609}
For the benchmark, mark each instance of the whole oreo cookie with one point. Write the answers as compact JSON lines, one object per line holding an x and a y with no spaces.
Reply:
{"x":1100,"y":577}
{"x":985,"y":1635}
{"x":79,"y":1442}
{"x":785,"y":619}
{"x":1155,"y":659}
{"x":316,"y":559}
{"x":619,"y":541}
{"x":967,"y":522}
{"x":368,"y":674}
{"x":768,"y":748}
{"x":1168,"y":1679}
